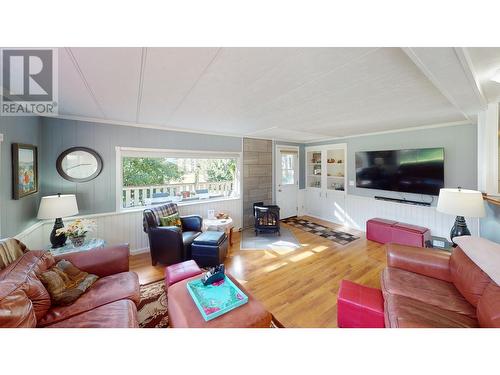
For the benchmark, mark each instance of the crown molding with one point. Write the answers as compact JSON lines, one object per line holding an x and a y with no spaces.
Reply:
{"x":413,"y":128}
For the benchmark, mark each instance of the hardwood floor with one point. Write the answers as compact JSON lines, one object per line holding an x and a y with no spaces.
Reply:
{"x":299,"y":287}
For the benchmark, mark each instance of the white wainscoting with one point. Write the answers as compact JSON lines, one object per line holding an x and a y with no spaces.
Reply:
{"x":126,"y":226}
{"x":359,"y":209}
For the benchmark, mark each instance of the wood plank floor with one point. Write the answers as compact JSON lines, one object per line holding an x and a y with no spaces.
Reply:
{"x":299,"y":287}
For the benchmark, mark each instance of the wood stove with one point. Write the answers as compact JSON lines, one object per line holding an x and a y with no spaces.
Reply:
{"x":267,"y":218}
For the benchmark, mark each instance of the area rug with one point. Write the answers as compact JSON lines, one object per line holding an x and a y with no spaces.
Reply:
{"x":268,"y":241}
{"x":336,"y":236}
{"x":152,"y":310}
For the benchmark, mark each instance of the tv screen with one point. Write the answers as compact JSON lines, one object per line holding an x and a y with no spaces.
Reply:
{"x":419,"y":171}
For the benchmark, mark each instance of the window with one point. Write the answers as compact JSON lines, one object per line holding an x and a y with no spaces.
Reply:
{"x":154,"y":177}
{"x":287,"y":167}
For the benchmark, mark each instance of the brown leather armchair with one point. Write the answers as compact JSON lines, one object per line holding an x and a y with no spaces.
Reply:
{"x":170,"y":245}
{"x":433,"y":288}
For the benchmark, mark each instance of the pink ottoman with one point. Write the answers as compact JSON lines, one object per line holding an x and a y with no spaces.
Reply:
{"x":359,"y":306}
{"x":181,"y":271}
{"x":411,"y":235}
{"x":379,"y":230}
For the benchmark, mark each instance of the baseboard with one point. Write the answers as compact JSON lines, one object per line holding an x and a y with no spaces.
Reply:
{"x":139,"y":251}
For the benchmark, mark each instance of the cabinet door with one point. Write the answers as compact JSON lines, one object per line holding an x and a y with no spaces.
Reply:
{"x":314,"y":169}
{"x":314,"y":202}
{"x":339,"y":213}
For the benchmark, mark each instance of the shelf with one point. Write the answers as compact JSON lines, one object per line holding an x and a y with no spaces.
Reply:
{"x":491,"y":199}
{"x":341,"y":177}
{"x":314,"y":175}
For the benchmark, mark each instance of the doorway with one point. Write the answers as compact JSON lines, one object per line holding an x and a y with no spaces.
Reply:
{"x":287,"y":180}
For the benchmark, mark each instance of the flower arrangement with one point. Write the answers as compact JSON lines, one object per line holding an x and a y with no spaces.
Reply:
{"x":78,"y":228}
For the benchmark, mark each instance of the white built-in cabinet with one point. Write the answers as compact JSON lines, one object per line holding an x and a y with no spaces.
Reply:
{"x":326,"y":182}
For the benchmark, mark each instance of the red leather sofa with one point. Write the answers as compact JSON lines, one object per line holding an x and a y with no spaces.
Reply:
{"x":110,"y":302}
{"x":433,"y":288}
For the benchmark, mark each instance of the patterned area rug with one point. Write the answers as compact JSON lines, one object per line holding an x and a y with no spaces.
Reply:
{"x":152,"y":310}
{"x":337,"y":236}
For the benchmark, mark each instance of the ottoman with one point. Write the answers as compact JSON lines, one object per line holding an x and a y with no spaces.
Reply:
{"x":379,"y":230}
{"x":181,"y":271}
{"x":210,"y":248}
{"x":183,"y":313}
{"x":411,"y":235}
{"x":359,"y":306}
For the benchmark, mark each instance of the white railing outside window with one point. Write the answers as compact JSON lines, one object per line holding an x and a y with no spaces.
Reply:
{"x":190,"y":177}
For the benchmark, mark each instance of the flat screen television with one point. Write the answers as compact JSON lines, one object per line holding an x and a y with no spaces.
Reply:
{"x":419,"y":171}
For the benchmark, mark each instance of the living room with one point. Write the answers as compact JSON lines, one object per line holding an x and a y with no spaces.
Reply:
{"x":193,"y":186}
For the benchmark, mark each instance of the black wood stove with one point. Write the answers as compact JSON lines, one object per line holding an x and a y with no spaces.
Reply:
{"x":267,"y":218}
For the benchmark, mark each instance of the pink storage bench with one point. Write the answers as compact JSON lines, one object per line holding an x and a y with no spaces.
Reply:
{"x":385,"y":231}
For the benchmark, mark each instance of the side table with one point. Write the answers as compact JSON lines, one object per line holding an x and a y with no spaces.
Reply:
{"x":89,"y":244}
{"x":222,"y":225}
{"x":447,"y":245}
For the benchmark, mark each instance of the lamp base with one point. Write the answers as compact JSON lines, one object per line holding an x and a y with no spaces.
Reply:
{"x":57,"y":241}
{"x":459,"y":229}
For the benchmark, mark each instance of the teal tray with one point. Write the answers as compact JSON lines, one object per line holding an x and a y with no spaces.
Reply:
{"x":216,"y":299}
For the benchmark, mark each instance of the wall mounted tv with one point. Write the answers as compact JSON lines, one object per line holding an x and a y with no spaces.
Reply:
{"x":419,"y":171}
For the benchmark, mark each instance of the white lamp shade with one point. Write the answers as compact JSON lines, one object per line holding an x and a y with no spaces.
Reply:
{"x":57,"y":206}
{"x":461,"y":202}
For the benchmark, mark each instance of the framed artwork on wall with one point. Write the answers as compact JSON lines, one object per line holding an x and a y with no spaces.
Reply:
{"x":24,"y":170}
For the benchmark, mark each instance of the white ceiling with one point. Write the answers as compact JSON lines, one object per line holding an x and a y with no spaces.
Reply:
{"x":485,"y":63}
{"x":297,"y":94}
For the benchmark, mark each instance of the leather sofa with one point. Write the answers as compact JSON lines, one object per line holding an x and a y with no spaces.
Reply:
{"x":110,"y":302}
{"x":432,"y":288}
{"x":170,"y":245}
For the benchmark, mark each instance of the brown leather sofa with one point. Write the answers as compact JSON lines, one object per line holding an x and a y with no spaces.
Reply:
{"x":110,"y":302}
{"x":431,"y":288}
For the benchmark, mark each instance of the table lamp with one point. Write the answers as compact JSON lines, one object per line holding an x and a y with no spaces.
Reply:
{"x":56,"y":207}
{"x":460,"y":202}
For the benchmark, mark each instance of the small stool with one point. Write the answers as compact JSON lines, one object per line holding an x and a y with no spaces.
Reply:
{"x":181,"y":271}
{"x":209,"y":248}
{"x":359,"y":306}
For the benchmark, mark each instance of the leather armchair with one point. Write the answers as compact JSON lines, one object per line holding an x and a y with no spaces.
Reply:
{"x":170,"y":245}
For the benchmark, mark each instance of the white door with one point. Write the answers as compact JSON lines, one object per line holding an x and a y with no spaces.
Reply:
{"x":287,"y":180}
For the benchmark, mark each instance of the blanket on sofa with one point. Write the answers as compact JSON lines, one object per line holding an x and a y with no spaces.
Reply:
{"x":10,"y":250}
{"x":485,"y":253}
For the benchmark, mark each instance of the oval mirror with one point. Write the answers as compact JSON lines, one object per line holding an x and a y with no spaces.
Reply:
{"x":79,"y":164}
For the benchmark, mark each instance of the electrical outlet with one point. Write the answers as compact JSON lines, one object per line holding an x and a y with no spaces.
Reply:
{"x":351,"y":183}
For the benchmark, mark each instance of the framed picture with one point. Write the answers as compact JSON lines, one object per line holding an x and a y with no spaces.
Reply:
{"x":24,"y":170}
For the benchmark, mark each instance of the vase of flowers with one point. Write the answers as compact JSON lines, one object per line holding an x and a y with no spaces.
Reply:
{"x":77,"y":231}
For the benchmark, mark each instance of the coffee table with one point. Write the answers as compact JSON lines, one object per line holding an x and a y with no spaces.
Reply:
{"x":183,"y":313}
{"x":221,"y":225}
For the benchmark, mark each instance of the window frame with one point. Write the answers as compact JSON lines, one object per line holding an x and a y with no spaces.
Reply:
{"x":122,"y":152}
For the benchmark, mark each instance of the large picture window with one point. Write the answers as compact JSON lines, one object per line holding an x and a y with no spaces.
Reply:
{"x":151,"y":178}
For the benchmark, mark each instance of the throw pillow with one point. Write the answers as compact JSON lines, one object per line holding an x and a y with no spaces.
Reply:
{"x":171,"y":220}
{"x":65,"y":283}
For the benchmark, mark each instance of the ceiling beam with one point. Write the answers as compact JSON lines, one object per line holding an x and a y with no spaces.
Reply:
{"x":450,"y":72}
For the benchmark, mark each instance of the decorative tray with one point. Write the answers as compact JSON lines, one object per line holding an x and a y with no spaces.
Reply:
{"x":216,"y":299}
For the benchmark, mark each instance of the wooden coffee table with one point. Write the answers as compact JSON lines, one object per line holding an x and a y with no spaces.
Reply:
{"x":183,"y":313}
